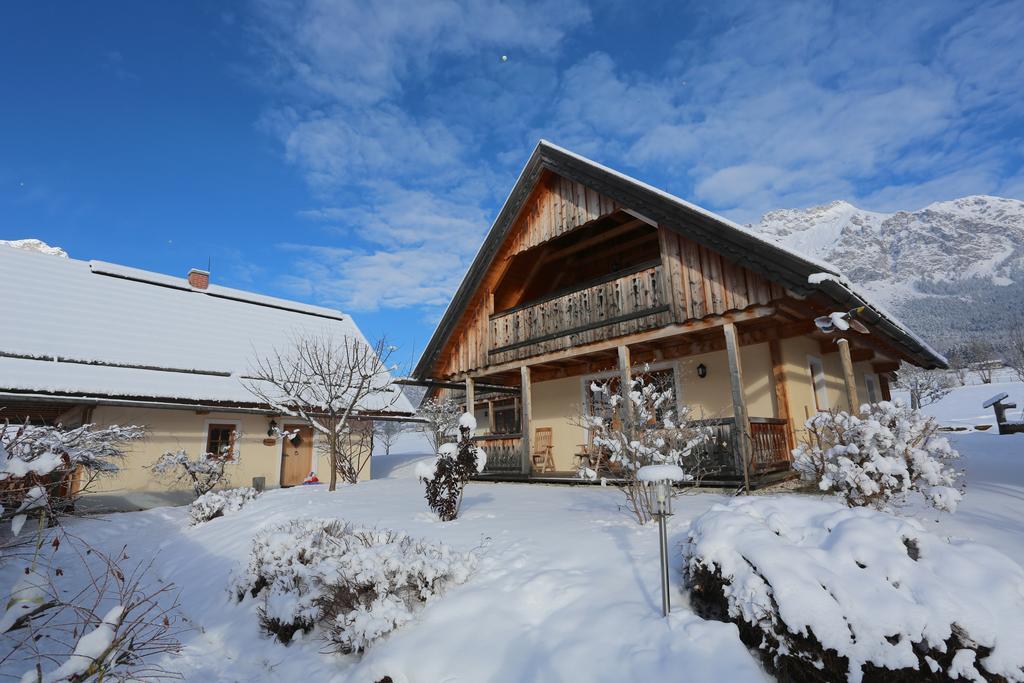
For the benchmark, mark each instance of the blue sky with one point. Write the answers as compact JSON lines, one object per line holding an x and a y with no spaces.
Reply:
{"x":353,"y":154}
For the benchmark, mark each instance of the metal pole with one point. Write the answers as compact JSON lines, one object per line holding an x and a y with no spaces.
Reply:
{"x":666,"y":606}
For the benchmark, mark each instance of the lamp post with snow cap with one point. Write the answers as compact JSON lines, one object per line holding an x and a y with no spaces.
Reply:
{"x":661,"y":478}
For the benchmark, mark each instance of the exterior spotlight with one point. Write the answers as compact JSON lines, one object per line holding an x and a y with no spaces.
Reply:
{"x":702,"y":371}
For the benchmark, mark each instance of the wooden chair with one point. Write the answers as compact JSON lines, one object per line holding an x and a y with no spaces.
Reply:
{"x":540,"y":450}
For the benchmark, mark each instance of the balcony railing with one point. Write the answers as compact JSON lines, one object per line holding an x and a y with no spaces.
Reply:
{"x":623,"y":303}
{"x":768,"y":438}
{"x":504,"y":452}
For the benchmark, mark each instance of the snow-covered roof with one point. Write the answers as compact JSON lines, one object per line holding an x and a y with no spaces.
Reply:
{"x":91,"y":328}
{"x":751,"y":250}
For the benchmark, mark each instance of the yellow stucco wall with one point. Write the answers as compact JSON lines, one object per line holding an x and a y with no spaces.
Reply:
{"x":170,"y":430}
{"x":556,"y":404}
{"x":711,"y":396}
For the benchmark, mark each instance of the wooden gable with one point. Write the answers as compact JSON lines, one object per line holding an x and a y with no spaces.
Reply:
{"x":555,"y":207}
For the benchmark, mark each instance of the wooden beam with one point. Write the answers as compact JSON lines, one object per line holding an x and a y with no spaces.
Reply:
{"x":690,"y":327}
{"x":780,"y":384}
{"x":601,"y":236}
{"x":625,"y":382}
{"x":526,"y":417}
{"x":848,"y":376}
{"x":470,"y":396}
{"x":739,"y":401}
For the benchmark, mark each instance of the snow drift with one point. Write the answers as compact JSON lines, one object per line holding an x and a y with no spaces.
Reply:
{"x":825,"y":591}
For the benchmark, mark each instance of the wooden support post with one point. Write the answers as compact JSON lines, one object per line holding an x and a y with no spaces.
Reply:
{"x":625,"y":382}
{"x":848,"y":377}
{"x":526,"y":417}
{"x":739,"y":401}
{"x":490,"y":417}
{"x":470,"y":396}
{"x":781,"y":390}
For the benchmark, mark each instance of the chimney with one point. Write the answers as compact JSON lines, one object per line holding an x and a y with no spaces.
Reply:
{"x":199,"y":279}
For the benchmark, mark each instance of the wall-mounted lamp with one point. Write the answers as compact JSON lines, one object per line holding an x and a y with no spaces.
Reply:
{"x":272,"y":429}
{"x":702,"y":371}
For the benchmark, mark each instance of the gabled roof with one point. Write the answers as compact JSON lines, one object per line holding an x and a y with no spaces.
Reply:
{"x":800,"y":274}
{"x":89,"y":328}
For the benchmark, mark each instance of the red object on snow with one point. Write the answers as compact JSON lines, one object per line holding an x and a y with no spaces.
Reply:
{"x":311,"y":479}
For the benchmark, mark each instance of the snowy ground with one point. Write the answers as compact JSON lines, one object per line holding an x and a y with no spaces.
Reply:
{"x":566,"y":590}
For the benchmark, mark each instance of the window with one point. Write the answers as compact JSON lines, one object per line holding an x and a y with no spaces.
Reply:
{"x":818,"y":383}
{"x":872,"y":385}
{"x":599,"y":404}
{"x":506,"y":417}
{"x":220,"y":439}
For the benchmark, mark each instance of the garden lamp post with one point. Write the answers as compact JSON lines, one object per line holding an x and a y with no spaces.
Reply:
{"x":661,"y":478}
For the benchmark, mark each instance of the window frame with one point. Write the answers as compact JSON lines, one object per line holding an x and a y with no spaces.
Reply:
{"x":586,"y":380}
{"x":236,"y":426}
{"x":821,"y":402}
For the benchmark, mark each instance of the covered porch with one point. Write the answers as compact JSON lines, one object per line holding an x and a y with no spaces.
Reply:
{"x":732,"y":367}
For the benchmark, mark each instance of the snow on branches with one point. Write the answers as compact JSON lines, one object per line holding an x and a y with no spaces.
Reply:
{"x":214,"y":504}
{"x":640,"y":429}
{"x":878,"y":457}
{"x":203,"y":474}
{"x":446,"y":476}
{"x":357,"y":584}
{"x":37,"y":462}
{"x":325,"y":382}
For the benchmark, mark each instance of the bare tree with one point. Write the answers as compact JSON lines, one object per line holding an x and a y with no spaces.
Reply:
{"x":1015,"y":347}
{"x":326,"y":382}
{"x":439,"y":421}
{"x":924,"y":386}
{"x":386,"y":433}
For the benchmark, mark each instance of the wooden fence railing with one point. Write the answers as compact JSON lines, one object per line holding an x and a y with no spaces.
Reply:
{"x":768,"y":438}
{"x":628,"y":302}
{"x":504,"y":452}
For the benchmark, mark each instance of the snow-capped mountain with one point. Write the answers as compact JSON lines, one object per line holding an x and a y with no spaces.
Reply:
{"x":34,"y":245}
{"x":951,"y":269}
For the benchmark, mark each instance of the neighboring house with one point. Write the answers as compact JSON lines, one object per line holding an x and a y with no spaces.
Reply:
{"x":92,"y":342}
{"x":589,"y":274}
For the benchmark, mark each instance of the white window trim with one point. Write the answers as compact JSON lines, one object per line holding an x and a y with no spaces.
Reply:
{"x":236,"y":454}
{"x":821,"y":403}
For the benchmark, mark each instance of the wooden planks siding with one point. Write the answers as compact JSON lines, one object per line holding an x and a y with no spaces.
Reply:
{"x":704,"y":283}
{"x":619,"y":306}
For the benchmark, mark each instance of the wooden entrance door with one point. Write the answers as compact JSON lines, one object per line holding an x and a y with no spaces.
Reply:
{"x":296,"y":458}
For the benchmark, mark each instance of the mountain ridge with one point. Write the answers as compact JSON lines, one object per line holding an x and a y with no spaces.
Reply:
{"x":951,"y":270}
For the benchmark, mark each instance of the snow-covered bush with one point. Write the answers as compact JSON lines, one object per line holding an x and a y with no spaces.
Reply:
{"x":204,"y":473}
{"x":827,"y":593}
{"x":649,"y":432}
{"x":38,"y":462}
{"x":214,"y":504}
{"x":446,"y":476}
{"x":879,"y":456}
{"x":357,"y":584}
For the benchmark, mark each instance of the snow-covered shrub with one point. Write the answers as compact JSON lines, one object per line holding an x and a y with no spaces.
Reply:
{"x":446,"y":476}
{"x":357,"y":584}
{"x":883,"y":454}
{"x":827,"y":593}
{"x":38,"y":462}
{"x":204,"y":473}
{"x":925,"y":386}
{"x":650,"y":432}
{"x":214,"y":504}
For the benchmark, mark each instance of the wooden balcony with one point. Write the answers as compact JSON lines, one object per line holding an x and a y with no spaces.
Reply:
{"x":620,"y":304}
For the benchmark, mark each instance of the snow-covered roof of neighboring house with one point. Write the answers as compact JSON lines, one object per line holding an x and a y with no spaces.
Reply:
{"x":89,"y":328}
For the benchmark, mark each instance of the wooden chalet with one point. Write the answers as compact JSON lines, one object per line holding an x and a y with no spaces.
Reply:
{"x":588,"y":273}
